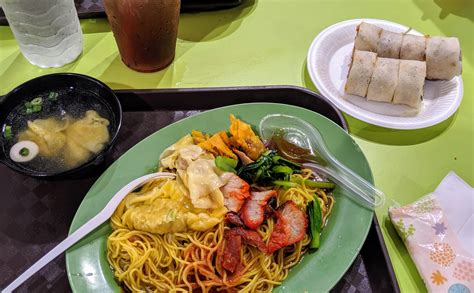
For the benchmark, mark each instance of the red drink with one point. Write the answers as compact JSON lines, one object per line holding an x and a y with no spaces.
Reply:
{"x":145,"y":31}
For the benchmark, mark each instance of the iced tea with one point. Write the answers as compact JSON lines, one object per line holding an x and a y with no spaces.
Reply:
{"x":145,"y":31}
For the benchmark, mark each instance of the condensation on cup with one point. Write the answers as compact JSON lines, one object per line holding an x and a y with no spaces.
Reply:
{"x":48,"y":32}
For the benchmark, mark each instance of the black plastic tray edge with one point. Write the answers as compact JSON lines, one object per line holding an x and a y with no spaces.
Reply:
{"x":185,"y":7}
{"x":374,"y":239}
{"x":386,"y":256}
{"x":217,"y":5}
{"x":148,"y":102}
{"x":369,"y":252}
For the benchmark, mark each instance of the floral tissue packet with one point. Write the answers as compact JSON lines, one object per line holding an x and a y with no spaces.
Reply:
{"x":438,"y":231}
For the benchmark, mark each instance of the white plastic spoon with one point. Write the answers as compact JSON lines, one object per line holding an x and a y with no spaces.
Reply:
{"x":85,"y":229}
{"x":300,"y":141}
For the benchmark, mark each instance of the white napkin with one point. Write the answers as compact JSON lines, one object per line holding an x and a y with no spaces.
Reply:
{"x":456,"y":198}
{"x":438,"y":231}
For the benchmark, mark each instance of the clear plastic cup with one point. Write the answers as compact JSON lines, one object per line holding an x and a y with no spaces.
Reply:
{"x":145,"y":31}
{"x":48,"y":32}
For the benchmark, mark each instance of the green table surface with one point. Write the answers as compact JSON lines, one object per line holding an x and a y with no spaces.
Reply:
{"x":265,"y":42}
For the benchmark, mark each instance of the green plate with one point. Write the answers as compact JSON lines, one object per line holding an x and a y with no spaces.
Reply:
{"x":341,"y":241}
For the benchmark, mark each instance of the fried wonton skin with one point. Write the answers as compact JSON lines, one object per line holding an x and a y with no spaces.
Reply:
{"x":199,"y":137}
{"x":219,"y":145}
{"x":244,"y":138}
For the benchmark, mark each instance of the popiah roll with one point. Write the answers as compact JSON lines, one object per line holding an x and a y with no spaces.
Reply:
{"x":367,"y":37}
{"x":389,"y":44}
{"x":442,"y":54}
{"x":360,"y":72}
{"x":384,"y":80}
{"x":411,"y":78}
{"x":443,"y":58}
{"x":413,"y":47}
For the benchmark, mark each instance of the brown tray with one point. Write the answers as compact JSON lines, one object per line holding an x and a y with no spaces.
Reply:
{"x":35,"y":214}
{"x":95,"y":8}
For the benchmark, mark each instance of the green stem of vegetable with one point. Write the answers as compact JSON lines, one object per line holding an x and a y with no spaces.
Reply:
{"x":285,"y":184}
{"x":314,"y":184}
{"x":278,"y":159}
{"x":315,"y":222}
{"x":282,"y":169}
{"x":258,"y":174}
{"x":228,"y":161}
{"x":314,"y":241}
{"x":226,"y":164}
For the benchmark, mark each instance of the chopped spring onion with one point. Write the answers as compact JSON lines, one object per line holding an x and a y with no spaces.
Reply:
{"x":315,"y":222}
{"x":37,"y":101}
{"x":226,"y":164}
{"x":53,"y":96}
{"x":8,"y":132}
{"x":24,"y":151}
{"x":34,"y":105}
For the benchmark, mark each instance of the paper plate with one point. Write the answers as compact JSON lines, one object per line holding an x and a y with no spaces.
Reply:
{"x":328,"y":64}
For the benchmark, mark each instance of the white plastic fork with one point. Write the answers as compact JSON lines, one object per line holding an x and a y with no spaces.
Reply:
{"x":85,"y":229}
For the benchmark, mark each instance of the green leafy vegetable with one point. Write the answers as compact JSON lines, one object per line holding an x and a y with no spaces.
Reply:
{"x":315,"y":218}
{"x":8,"y":132}
{"x":268,"y":168}
{"x":271,"y":168}
{"x":226,"y":164}
{"x":280,"y":160}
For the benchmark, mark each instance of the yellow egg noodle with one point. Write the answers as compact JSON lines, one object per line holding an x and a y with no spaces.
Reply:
{"x":215,"y":228}
{"x":186,"y":261}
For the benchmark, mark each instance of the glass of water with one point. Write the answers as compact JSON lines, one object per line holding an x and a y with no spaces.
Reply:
{"x":48,"y":31}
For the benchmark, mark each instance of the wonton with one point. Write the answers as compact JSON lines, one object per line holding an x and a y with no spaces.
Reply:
{"x":47,"y":134}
